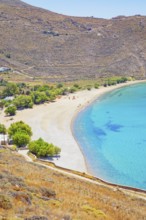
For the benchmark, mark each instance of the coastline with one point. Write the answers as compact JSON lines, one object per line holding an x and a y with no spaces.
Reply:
{"x":53,"y":122}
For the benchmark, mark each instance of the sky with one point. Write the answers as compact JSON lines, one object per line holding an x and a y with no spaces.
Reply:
{"x":97,"y":8}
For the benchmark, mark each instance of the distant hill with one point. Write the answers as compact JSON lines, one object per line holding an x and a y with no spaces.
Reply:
{"x":62,"y":48}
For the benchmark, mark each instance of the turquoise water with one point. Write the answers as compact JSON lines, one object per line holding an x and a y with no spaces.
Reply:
{"x":112,"y":135}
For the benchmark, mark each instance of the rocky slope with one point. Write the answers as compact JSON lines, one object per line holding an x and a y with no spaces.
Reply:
{"x":62,"y":48}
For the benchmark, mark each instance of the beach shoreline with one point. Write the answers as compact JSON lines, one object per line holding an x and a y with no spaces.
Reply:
{"x":53,"y":122}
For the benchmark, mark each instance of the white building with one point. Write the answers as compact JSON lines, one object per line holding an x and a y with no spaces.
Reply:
{"x":3,"y":139}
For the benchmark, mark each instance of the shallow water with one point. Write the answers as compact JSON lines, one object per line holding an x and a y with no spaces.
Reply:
{"x":112,"y":135}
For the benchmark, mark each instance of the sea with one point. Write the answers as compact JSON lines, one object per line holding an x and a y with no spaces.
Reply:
{"x":111,"y":133}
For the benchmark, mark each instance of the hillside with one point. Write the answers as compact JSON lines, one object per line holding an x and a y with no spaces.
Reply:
{"x":55,"y":47}
{"x":31,"y":192}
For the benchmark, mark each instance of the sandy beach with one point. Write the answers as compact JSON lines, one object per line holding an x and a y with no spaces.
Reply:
{"x":52,"y":122}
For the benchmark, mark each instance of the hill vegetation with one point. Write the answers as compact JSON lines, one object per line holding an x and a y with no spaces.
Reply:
{"x":41,"y":44}
{"x":18,"y":96}
{"x":30,"y":191}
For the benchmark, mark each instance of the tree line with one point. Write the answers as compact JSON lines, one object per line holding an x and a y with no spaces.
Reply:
{"x":18,"y":96}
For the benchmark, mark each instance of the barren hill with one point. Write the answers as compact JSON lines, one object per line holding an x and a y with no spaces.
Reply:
{"x":57,"y":47}
{"x":29,"y":191}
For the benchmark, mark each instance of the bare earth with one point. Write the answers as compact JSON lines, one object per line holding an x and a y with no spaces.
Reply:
{"x":52,"y":122}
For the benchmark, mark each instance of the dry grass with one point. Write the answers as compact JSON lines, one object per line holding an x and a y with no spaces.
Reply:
{"x":29,"y":190}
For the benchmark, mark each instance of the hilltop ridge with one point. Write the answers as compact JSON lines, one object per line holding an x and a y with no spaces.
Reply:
{"x":63,"y":48}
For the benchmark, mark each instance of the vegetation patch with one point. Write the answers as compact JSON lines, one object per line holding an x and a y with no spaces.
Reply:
{"x":31,"y":191}
{"x":5,"y":202}
{"x":42,"y":149}
{"x":93,"y":211}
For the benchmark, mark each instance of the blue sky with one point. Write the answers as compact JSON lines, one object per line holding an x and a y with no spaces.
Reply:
{"x":96,"y":8}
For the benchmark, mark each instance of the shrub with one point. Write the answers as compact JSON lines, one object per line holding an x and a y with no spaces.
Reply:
{"x":59,"y":85}
{"x":2,"y":104}
{"x":10,"y":110}
{"x":3,"y":129}
{"x":93,"y":211}
{"x":39,"y":97}
{"x":96,"y":86}
{"x":47,"y":192}
{"x":19,"y":127}
{"x":76,"y":86}
{"x":14,"y":148}
{"x":21,"y":139}
{"x":72,"y":90}
{"x":10,"y":90}
{"x":22,"y":196}
{"x":5,"y":202}
{"x":105,"y":84}
{"x":41,"y":148}
{"x":23,"y":101}
{"x":89,"y":87}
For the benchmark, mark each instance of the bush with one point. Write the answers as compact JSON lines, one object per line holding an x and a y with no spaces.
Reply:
{"x":23,"y":101}
{"x":10,"y":110}
{"x":72,"y":90}
{"x":14,"y":148}
{"x":3,"y":129}
{"x":10,"y":90}
{"x":96,"y":86}
{"x":89,"y":87}
{"x":39,"y":97}
{"x":19,"y":127}
{"x":42,"y":149}
{"x":21,"y":139}
{"x":48,"y":192}
{"x":95,"y":212}
{"x":5,"y":202}
{"x":59,"y":85}
{"x":76,"y":86}
{"x":2,"y":104}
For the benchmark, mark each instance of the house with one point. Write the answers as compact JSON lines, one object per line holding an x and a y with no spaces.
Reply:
{"x":4,"y":69}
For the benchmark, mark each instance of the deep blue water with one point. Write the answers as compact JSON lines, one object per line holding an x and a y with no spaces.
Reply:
{"x":112,"y":135}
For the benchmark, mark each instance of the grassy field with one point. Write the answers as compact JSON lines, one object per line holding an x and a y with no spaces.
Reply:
{"x":28,"y":189}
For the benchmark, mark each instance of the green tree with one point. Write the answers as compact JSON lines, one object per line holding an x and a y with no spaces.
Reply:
{"x":59,"y":85}
{"x":2,"y":104}
{"x":76,"y":86}
{"x":41,"y":148}
{"x":72,"y":90}
{"x":10,"y":110}
{"x":19,"y":127}
{"x":23,"y":101}
{"x":3,"y":129}
{"x":21,"y":139}
{"x":96,"y":86}
{"x":10,"y":90}
{"x":39,"y":97}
